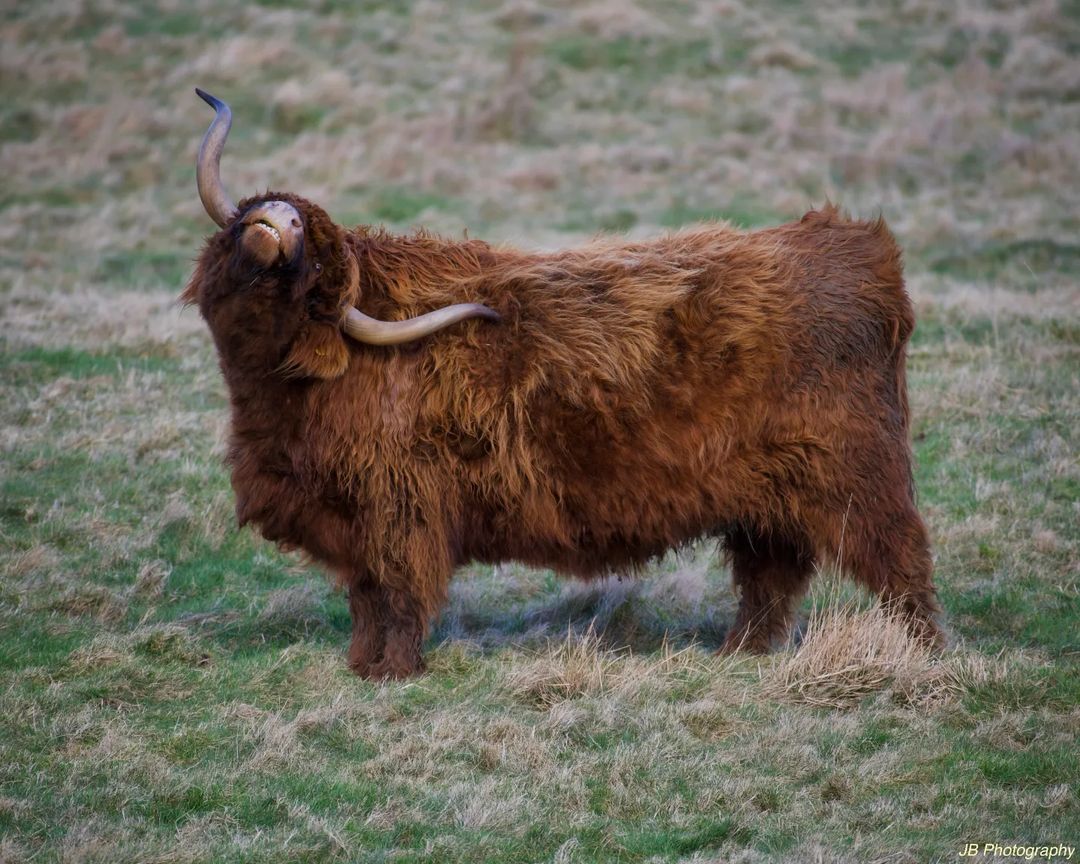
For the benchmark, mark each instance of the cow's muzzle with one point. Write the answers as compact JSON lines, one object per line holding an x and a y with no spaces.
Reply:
{"x":272,"y":231}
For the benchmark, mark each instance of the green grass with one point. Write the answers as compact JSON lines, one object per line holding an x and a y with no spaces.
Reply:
{"x":173,"y":689}
{"x":403,"y":205}
{"x":743,"y":212}
{"x":154,"y":268}
{"x":633,"y":56}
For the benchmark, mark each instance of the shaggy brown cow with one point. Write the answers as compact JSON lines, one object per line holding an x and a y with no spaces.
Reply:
{"x":627,"y":398}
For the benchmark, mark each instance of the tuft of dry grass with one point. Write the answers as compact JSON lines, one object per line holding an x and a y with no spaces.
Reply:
{"x":147,"y":644}
{"x":151,"y":578}
{"x":850,"y":651}
{"x":570,"y":668}
{"x":297,"y":609}
{"x":582,"y":665}
{"x":68,"y":596}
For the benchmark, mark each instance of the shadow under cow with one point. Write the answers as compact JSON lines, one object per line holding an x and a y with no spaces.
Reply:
{"x":683,"y":603}
{"x":684,"y":599}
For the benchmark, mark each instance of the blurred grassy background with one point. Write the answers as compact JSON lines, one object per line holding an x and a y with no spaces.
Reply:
{"x":173,"y":690}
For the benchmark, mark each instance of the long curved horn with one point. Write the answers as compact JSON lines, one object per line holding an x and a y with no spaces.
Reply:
{"x":208,"y":168}
{"x":364,"y":328}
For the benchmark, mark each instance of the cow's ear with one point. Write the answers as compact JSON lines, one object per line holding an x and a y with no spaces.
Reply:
{"x":319,"y":351}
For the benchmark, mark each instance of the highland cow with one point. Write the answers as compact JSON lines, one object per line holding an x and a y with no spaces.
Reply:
{"x":402,"y":406}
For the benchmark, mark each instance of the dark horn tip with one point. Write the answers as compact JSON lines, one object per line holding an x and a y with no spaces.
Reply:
{"x":490,"y":314}
{"x":212,"y":101}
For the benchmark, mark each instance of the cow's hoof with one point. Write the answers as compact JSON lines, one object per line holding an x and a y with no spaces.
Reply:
{"x":746,"y":643}
{"x":386,"y":670}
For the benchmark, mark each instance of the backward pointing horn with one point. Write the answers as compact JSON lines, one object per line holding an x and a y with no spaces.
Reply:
{"x":364,"y":328}
{"x":355,"y":323}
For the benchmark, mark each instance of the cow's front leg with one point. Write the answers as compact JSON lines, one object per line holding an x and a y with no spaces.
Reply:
{"x":367,"y":627}
{"x":403,"y":621}
{"x":410,"y":562}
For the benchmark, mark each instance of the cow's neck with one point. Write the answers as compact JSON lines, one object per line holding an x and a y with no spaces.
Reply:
{"x":267,"y":412}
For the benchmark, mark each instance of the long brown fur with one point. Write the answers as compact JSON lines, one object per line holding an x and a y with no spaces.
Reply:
{"x":635,"y":397}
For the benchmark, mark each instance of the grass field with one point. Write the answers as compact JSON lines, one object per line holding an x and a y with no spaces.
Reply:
{"x":173,"y":690}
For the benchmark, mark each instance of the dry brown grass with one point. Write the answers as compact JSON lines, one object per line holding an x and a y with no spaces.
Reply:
{"x":164,"y":643}
{"x":851,"y":650}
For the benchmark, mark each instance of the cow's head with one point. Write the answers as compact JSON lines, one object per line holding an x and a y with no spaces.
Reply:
{"x":278,"y":283}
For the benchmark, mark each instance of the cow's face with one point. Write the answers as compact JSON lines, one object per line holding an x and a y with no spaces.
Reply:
{"x":277,"y":283}
{"x":274,"y":285}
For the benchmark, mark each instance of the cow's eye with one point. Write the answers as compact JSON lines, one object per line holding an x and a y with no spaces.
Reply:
{"x":318,"y":267}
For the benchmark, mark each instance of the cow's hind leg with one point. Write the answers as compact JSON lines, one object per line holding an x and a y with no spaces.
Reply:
{"x":771,"y":574}
{"x":887,"y":550}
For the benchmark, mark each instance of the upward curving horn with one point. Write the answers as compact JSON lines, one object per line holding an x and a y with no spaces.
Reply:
{"x":208,"y":166}
{"x":355,"y":323}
